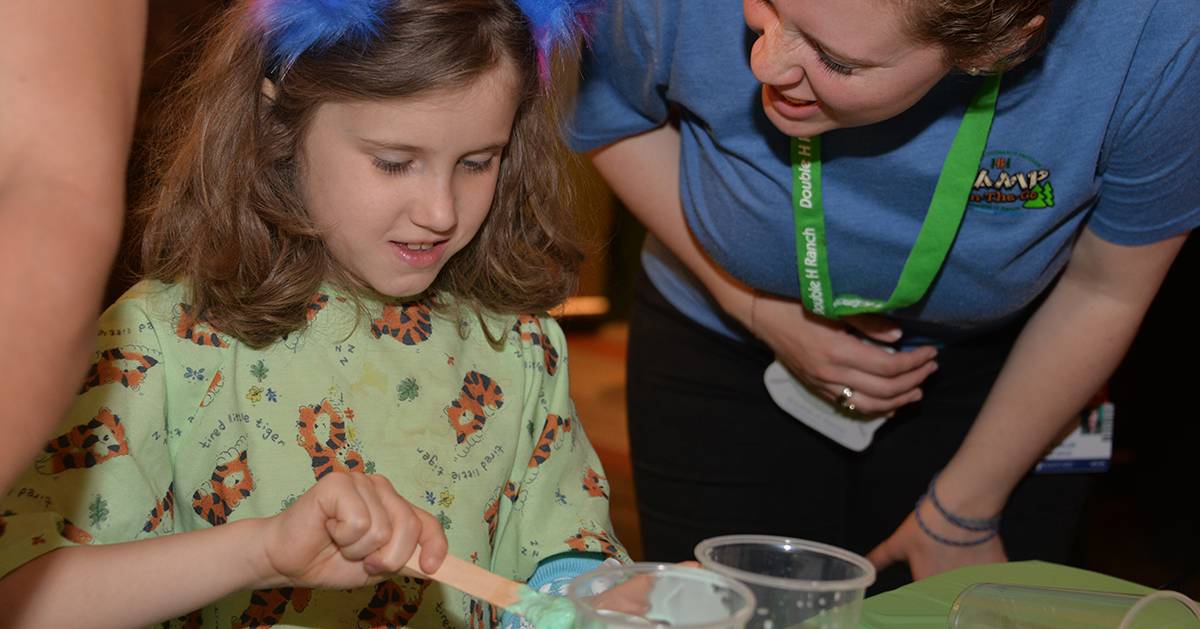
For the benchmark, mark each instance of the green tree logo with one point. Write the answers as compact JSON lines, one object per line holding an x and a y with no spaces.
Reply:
{"x":1044,"y":198}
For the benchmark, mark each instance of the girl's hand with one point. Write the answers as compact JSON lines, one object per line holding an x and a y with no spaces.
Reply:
{"x":825,"y":355}
{"x":926,"y":556}
{"x":347,"y":531}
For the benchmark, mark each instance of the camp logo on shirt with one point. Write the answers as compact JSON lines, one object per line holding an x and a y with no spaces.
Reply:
{"x":1008,"y":180}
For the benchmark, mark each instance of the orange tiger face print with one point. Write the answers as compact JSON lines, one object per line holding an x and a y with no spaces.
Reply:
{"x":163,"y":509}
{"x":118,"y":365}
{"x":393,"y":604}
{"x":595,"y":484}
{"x":268,"y":606}
{"x":323,"y":434}
{"x":408,"y":323}
{"x":478,"y":399}
{"x":230,"y":483}
{"x":555,"y":426}
{"x":85,"y":445}
{"x":591,"y":541}
{"x":197,"y":329}
{"x":530,"y":329}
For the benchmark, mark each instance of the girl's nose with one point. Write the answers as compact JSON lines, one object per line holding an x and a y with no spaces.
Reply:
{"x":436,"y":211}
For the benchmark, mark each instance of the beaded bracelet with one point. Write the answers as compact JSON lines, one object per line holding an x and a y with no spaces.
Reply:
{"x":945,"y":540}
{"x":977,"y":525}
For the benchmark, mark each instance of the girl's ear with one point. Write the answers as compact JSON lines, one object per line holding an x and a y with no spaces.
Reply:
{"x":269,"y":90}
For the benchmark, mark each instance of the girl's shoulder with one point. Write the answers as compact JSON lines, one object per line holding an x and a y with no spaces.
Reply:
{"x":151,"y":300}
{"x":536,"y":337}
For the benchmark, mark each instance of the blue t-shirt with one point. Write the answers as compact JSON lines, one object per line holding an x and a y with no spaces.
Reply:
{"x":1099,"y":130}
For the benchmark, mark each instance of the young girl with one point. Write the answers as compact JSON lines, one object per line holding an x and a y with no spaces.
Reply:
{"x":330,"y":364}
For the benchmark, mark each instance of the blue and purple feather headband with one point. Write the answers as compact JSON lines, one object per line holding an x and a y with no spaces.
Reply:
{"x":293,"y":27}
{"x":555,"y":23}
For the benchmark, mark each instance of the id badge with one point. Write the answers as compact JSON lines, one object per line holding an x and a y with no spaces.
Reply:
{"x":1087,"y":448}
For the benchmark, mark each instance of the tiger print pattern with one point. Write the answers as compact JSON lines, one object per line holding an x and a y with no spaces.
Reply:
{"x":333,"y":452}
{"x":595,"y":484}
{"x":230,"y":483}
{"x":315,"y":305}
{"x":267,"y":607}
{"x":393,"y":605}
{"x":85,"y":445}
{"x":118,"y":365}
{"x":482,"y":616}
{"x":491,"y":517}
{"x":478,"y":399}
{"x":71,"y":532}
{"x":408,"y":323}
{"x":197,"y":329}
{"x":591,"y":541}
{"x":510,"y":491}
{"x":555,"y":427}
{"x":162,"y":510}
{"x":530,"y":329}
{"x":194,"y":620}
{"x":214,"y":387}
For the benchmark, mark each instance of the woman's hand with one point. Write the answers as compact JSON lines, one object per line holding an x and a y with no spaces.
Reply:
{"x":347,"y":531}
{"x":824,"y":354}
{"x":925,"y":555}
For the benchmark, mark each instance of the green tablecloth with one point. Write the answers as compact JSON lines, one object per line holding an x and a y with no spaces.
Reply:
{"x":926,"y":603}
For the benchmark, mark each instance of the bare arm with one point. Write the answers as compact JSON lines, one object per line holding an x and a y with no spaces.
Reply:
{"x":347,"y":531}
{"x":643,"y":171}
{"x":1063,"y":356}
{"x":69,"y":73}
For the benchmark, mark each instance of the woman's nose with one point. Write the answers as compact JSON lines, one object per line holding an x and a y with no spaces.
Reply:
{"x":774,"y":63}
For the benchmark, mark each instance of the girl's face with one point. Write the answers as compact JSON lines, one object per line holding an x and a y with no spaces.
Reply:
{"x":399,"y":186}
{"x":826,"y":64}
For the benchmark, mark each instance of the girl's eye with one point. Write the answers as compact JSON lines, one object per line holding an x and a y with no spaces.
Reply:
{"x":392,"y":168}
{"x":833,"y":66}
{"x":478,"y":166}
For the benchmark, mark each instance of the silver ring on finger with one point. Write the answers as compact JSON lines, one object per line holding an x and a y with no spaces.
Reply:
{"x":844,"y":399}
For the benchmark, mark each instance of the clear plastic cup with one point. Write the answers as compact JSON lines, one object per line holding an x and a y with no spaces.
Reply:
{"x":659,"y":595}
{"x":797,"y":583}
{"x":1000,"y":605}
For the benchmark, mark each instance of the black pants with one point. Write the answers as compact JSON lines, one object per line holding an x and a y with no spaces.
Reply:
{"x":713,"y":454}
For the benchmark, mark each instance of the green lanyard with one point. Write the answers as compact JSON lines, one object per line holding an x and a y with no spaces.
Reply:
{"x":937,"y":233}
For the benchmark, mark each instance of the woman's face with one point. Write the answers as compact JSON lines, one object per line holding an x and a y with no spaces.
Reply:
{"x":827,"y":64}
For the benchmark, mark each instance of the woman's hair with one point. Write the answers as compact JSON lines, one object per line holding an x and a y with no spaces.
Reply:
{"x":225,"y":213}
{"x":982,"y":35}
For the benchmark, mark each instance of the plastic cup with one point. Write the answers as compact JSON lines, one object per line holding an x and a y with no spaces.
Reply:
{"x":659,"y":595}
{"x":797,"y":583}
{"x":1000,"y":605}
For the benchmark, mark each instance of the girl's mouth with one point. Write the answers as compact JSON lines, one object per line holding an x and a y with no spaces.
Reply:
{"x":419,"y":255}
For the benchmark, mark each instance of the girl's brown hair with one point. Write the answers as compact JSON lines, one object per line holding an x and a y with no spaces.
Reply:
{"x":226,"y":214}
{"x":980,"y":35}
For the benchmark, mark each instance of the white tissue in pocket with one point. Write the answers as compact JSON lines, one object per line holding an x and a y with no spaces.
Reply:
{"x":851,"y":431}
